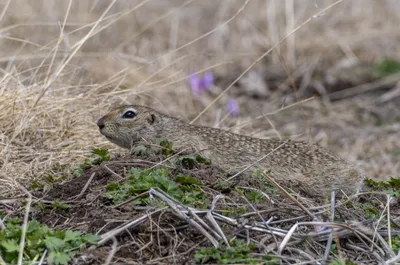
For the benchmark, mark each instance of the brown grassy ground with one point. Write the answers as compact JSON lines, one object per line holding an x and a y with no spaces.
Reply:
{"x":64,"y":64}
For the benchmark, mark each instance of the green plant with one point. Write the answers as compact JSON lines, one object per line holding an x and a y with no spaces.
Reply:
{"x":167,"y":147}
{"x":370,"y":211}
{"x":100,"y":155}
{"x":391,"y":186}
{"x":190,"y":161}
{"x":141,"y":150}
{"x":59,"y":205}
{"x":61,"y":245}
{"x":263,"y":183}
{"x":238,"y":252}
{"x":184,"y":189}
{"x":387,"y":67}
{"x":396,"y":244}
{"x":233,"y":211}
{"x":254,"y":196}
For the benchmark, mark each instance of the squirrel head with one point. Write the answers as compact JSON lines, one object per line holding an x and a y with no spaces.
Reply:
{"x":129,"y":124}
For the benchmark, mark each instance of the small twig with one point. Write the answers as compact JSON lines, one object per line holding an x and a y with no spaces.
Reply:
{"x":288,"y":195}
{"x":395,"y":259}
{"x":287,"y":238}
{"x":42,"y":258}
{"x":165,"y":197}
{"x":84,"y":188}
{"x":24,"y":225}
{"x":389,"y":198}
{"x":210,"y":217}
{"x":265,"y":223}
{"x":378,"y":236}
{"x":352,"y":91}
{"x":131,"y":199}
{"x":330,"y":239}
{"x":105,"y":165}
{"x":112,"y":251}
{"x":198,"y":219}
{"x":304,"y":254}
{"x":106,"y":236}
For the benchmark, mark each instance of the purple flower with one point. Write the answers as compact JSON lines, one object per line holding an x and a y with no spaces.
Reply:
{"x":319,"y":228}
{"x":199,"y":85}
{"x":233,"y":108}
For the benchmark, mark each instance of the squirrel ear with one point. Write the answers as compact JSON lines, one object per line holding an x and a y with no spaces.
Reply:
{"x":151,"y":118}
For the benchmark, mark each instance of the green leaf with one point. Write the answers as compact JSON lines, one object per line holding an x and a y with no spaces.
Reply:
{"x":33,"y":225}
{"x":387,"y":67}
{"x":91,"y":238}
{"x":141,"y":150}
{"x":203,"y":160}
{"x":58,"y":258}
{"x":10,"y":245}
{"x":254,"y":196}
{"x":395,"y":182}
{"x":53,"y":243}
{"x":187,"y":180}
{"x":77,"y":172}
{"x":72,"y":235}
{"x":188,"y":162}
{"x":102,"y":153}
{"x":167,"y":150}
{"x":59,"y":205}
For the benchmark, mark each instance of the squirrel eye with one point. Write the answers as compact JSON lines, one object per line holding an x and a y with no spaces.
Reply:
{"x":129,"y":115}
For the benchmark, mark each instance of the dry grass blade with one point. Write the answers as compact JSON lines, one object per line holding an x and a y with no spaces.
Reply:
{"x":330,"y":239}
{"x":392,"y":79}
{"x":107,"y":236}
{"x":262,"y":57}
{"x":24,"y":224}
{"x":112,"y":251}
{"x":286,"y":239}
{"x":288,"y":195}
{"x":78,"y":46}
{"x":173,"y":205}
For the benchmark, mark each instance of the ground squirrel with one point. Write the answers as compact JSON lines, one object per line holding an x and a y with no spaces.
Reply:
{"x":301,"y":166}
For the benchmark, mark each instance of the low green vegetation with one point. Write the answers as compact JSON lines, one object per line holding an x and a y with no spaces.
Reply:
{"x":387,"y":67}
{"x":266,"y":186}
{"x":99,"y":156}
{"x":58,"y":174}
{"x":238,"y":253}
{"x":185,"y":189}
{"x":255,"y":196}
{"x":396,"y":244}
{"x":233,"y":211}
{"x":371,"y":212}
{"x":391,"y":186}
{"x":167,"y":147}
{"x":60,"y":245}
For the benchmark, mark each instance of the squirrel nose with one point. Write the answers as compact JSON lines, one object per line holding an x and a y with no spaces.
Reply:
{"x":100,"y":123}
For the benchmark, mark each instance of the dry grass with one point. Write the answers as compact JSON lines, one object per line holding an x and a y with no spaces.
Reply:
{"x":65,"y":63}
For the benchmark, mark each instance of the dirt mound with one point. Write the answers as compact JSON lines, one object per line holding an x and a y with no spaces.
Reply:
{"x":165,"y":231}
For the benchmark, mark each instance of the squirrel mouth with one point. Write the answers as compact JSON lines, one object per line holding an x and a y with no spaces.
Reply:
{"x":106,"y":135}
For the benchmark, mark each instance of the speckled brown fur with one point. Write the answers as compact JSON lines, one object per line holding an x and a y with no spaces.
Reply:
{"x":302,"y":166}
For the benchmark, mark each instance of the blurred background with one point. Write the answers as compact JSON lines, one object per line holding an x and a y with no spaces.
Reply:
{"x":313,"y":70}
